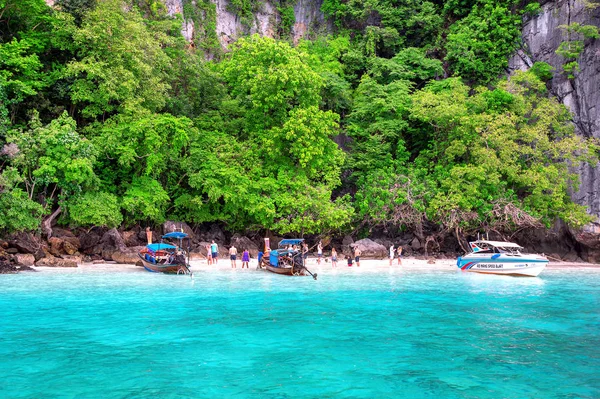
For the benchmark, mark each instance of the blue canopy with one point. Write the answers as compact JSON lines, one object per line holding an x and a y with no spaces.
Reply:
{"x":175,"y":234}
{"x":291,"y":241}
{"x":159,"y":246}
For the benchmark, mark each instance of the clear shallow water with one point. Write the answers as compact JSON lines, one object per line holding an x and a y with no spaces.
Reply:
{"x":350,"y":334}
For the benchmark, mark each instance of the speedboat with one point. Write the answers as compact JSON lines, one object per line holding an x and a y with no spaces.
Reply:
{"x":498,"y":257}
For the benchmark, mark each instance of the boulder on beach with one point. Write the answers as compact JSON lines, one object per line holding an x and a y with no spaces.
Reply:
{"x":370,"y":249}
{"x":128,"y":256}
{"x":55,"y":246}
{"x":52,"y":261}
{"x":242,"y":242}
{"x":90,"y":241}
{"x":112,"y":242}
{"x":131,"y":238}
{"x":6,"y":266}
{"x":27,"y":243}
{"x":25,"y":259}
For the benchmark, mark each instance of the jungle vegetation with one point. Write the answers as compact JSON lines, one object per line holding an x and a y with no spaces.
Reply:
{"x":400,"y":117}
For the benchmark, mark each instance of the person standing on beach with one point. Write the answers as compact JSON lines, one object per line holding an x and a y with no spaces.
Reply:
{"x":357,"y":256}
{"x":349,"y":257}
{"x":233,"y":257}
{"x":245,"y":258}
{"x":149,"y":235}
{"x":333,"y":258}
{"x":214,"y":250}
{"x":209,"y":255}
{"x":399,"y":256}
{"x":392,"y":253}
{"x":319,"y":252}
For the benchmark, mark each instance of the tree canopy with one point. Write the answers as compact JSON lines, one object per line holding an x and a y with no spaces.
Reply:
{"x":400,"y":116}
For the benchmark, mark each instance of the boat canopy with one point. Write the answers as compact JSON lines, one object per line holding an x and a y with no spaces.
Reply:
{"x":291,"y":241}
{"x":159,"y":246}
{"x":176,"y":234}
{"x":498,"y":244}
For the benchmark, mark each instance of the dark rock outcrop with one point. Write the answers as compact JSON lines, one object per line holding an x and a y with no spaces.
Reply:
{"x":91,"y":241}
{"x":170,"y":226}
{"x":241,"y":243}
{"x":28,"y":243}
{"x":7,"y":267}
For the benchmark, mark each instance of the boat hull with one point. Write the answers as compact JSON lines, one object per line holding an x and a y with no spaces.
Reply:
{"x":165,"y":268}
{"x":288,"y":271}
{"x":531,"y":267}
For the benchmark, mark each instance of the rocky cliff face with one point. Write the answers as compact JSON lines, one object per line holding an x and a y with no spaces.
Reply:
{"x":229,"y":26}
{"x":541,"y":38}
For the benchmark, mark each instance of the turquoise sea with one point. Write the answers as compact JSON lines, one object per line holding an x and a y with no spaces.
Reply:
{"x":248,"y":334}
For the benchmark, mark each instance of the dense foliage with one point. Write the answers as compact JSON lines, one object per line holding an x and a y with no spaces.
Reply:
{"x":109,"y":117}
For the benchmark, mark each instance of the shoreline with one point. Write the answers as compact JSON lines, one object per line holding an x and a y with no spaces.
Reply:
{"x":408,"y":264}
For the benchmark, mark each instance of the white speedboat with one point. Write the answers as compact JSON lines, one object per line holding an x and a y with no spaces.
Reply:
{"x":498,"y":257}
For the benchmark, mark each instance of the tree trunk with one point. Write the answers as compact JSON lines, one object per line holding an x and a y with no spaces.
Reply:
{"x":459,"y":239}
{"x":47,"y":223}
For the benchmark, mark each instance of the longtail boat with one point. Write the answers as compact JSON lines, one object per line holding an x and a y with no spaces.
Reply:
{"x":167,"y":258}
{"x":287,"y":259}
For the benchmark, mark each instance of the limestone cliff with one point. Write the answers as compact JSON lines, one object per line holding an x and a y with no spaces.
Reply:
{"x":228,"y":26}
{"x":541,"y":38}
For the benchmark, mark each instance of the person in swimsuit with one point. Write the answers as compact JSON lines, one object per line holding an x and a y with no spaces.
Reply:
{"x":245,"y":258}
{"x":357,"y":256}
{"x":333,"y":257}
{"x":209,"y":258}
{"x":349,"y":260}
{"x":399,"y":255}
{"x":233,"y":257}
{"x":392,"y":253}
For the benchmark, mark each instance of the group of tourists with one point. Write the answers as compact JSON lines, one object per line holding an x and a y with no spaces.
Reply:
{"x":233,"y":257}
{"x":334,"y":256}
{"x":395,"y":252}
{"x":212,"y":251}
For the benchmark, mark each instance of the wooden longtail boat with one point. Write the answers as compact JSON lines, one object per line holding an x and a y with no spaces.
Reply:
{"x":166,"y":258}
{"x":287,"y":259}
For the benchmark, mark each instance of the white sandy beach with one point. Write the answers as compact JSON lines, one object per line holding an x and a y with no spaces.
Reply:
{"x":367,"y":265}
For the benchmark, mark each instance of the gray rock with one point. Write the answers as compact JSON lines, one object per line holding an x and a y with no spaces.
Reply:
{"x":370,"y":249}
{"x":415,"y":244}
{"x":347,"y":241}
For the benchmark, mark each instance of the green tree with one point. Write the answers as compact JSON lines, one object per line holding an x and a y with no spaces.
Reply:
{"x":54,"y":162}
{"x":121,"y":65}
{"x":479,"y":45}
